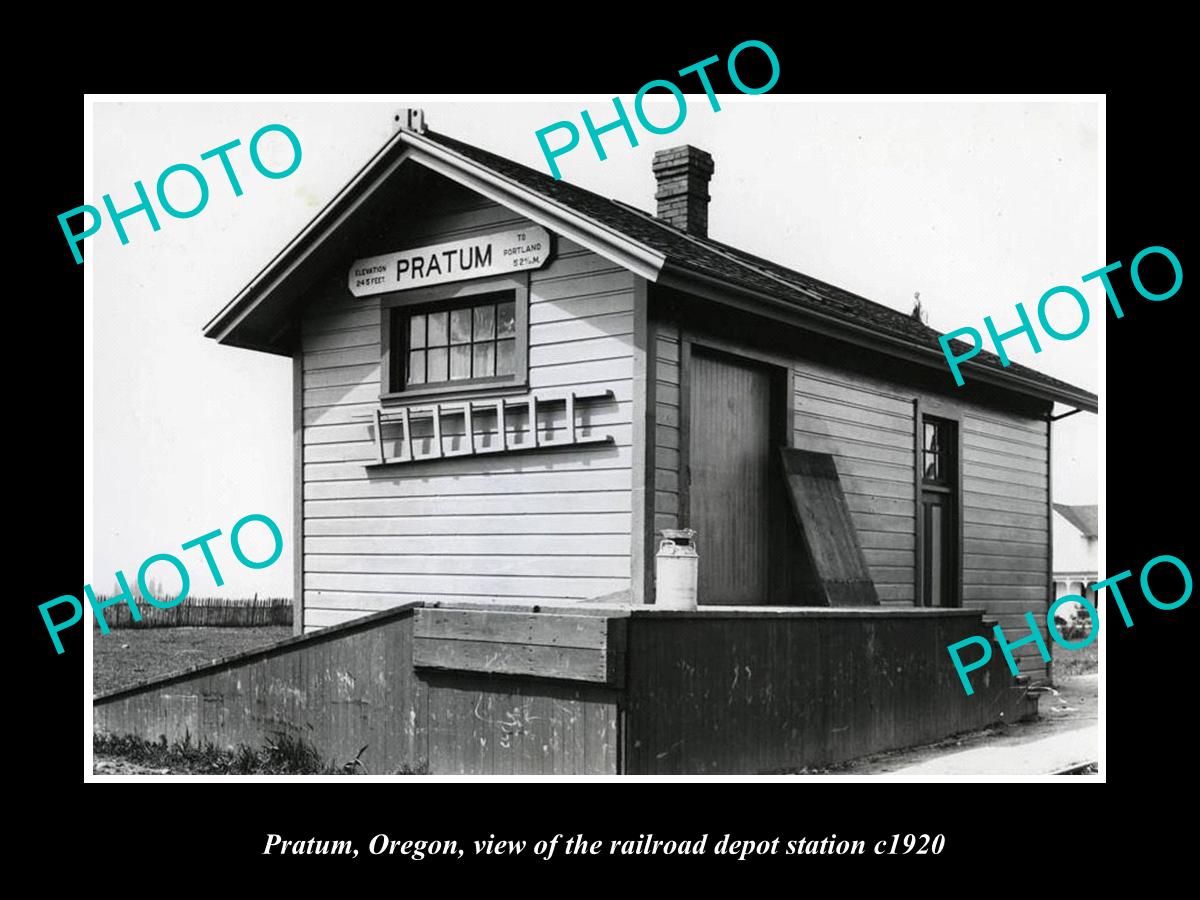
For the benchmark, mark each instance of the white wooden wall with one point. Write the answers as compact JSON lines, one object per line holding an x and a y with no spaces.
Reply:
{"x":552,"y":525}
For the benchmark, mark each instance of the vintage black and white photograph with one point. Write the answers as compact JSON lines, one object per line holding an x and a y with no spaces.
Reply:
{"x":471,"y":437}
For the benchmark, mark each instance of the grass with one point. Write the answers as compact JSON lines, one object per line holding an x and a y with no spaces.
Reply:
{"x":281,"y":754}
{"x":129,"y":657}
{"x":1076,"y":662}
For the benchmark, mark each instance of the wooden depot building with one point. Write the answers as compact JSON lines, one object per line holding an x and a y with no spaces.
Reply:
{"x":507,"y":386}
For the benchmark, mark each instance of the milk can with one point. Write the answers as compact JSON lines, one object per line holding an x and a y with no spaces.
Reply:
{"x":678,"y":567}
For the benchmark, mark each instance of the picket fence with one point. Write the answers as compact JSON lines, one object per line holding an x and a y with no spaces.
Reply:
{"x":221,"y":612}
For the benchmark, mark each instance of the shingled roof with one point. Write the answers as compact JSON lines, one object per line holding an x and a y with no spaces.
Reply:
{"x":666,"y":249}
{"x":735,"y":266}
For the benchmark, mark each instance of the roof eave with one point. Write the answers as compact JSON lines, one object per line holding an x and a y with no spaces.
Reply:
{"x":405,"y":146}
{"x":595,"y":236}
{"x":222,"y":326}
{"x":682,"y":278}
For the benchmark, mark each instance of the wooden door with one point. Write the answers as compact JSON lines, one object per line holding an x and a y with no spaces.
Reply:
{"x":730,"y":467}
{"x":938,"y":515}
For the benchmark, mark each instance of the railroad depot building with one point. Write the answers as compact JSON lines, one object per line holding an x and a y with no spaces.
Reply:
{"x":506,"y":387}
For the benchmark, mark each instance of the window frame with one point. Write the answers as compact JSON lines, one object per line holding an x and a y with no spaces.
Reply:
{"x":950,"y":488}
{"x":446,"y":297}
{"x":947,"y":454}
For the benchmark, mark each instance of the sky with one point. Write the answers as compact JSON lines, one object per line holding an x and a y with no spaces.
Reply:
{"x":976,"y":205}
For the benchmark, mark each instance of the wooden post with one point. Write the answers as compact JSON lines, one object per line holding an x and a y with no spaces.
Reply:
{"x":437,"y":430}
{"x":406,"y":449}
{"x":379,"y":435}
{"x":919,"y":516}
{"x":297,"y":490}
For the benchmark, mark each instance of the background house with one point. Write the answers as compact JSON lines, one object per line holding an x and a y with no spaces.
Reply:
{"x":1075,"y":550}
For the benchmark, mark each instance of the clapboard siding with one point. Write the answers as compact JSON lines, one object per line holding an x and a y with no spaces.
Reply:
{"x":540,"y":525}
{"x":500,"y":545}
{"x":1004,"y":508}
{"x":666,"y":431}
{"x":867,"y":424}
{"x":567,"y":523}
{"x":868,"y":428}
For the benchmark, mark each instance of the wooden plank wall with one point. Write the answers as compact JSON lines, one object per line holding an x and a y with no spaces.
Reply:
{"x":773,"y":693}
{"x":666,"y":435}
{"x":746,"y":691}
{"x":488,"y":725}
{"x":356,"y":685}
{"x":553,"y":525}
{"x":867,"y":426}
{"x":340,"y":690}
{"x":1005,"y":484}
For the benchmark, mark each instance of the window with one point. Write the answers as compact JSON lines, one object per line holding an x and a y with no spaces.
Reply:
{"x":469,"y":343}
{"x":938,"y":451}
{"x":455,"y":338}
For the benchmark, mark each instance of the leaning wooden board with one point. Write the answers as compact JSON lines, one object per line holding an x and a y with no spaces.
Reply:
{"x":544,"y":644}
{"x":820,"y":506}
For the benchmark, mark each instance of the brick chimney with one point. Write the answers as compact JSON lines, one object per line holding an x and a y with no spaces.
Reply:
{"x":683,"y":174}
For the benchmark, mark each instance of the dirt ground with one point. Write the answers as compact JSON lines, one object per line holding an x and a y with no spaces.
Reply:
{"x":128,"y":656}
{"x":1072,"y":703}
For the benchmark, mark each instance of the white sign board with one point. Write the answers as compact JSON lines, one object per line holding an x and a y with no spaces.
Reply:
{"x":492,"y":254}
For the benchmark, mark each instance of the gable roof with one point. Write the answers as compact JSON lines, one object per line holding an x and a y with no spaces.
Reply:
{"x":1084,"y":518}
{"x":640,"y":242}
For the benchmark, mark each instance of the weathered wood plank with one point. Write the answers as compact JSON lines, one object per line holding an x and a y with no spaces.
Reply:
{"x":491,"y":505}
{"x":495,"y":566}
{"x":846,"y":448}
{"x":342,"y":375}
{"x":571,"y":483}
{"x":577,"y":307}
{"x":501,"y":544}
{"x":561,"y":524}
{"x":825,"y":407}
{"x":1027,"y":523}
{"x":552,"y":629}
{"x":829,"y":532}
{"x":870,"y":434}
{"x":566,"y":663}
{"x":574,"y":588}
{"x":841,"y":389}
{"x":614,"y":325}
{"x":454,"y":472}
{"x":591,"y":347}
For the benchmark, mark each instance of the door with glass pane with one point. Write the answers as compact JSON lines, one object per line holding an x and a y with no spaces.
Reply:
{"x":939,"y":513}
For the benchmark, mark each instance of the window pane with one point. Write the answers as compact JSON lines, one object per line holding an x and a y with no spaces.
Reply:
{"x":931,"y":466}
{"x":931,"y":436}
{"x":460,"y":326}
{"x":437,"y":330}
{"x":460,"y":362}
{"x":506,"y":323}
{"x":416,"y":367}
{"x":485,"y":360}
{"x":485,"y":322}
{"x":436,"y":365}
{"x":416,"y":333}
{"x":506,"y":356}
